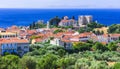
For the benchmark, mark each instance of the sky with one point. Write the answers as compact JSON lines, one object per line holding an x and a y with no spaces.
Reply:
{"x":59,"y":4}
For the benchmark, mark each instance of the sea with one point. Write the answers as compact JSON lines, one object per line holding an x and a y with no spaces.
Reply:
{"x":24,"y":17}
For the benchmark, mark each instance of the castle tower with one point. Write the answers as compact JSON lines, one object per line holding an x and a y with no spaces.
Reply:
{"x":48,"y":25}
{"x":84,"y":20}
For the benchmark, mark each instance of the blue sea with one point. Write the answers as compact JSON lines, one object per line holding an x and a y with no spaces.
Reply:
{"x":24,"y":17}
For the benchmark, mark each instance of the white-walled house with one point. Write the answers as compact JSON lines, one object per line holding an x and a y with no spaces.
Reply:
{"x":114,"y":37}
{"x":59,"y":42}
{"x":7,"y":34}
{"x":66,"y":40}
{"x":105,"y":38}
{"x":56,"y":41}
{"x":67,"y":22}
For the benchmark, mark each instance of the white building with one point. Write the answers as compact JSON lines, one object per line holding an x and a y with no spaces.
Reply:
{"x":56,"y":41}
{"x":7,"y":34}
{"x":59,"y":42}
{"x":84,"y":20}
{"x":67,"y":22}
{"x":48,"y":25}
{"x":67,"y":40}
{"x":105,"y":38}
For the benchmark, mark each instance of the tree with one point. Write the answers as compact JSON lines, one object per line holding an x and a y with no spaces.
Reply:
{"x":80,"y":46}
{"x":27,"y":62}
{"x":73,"y":17}
{"x":99,"y":65}
{"x":82,"y":64}
{"x":0,"y":36}
{"x":61,"y":52}
{"x":47,"y":61}
{"x":57,"y":31}
{"x":102,"y":32}
{"x":112,"y":46}
{"x":117,"y":65}
{"x":54,"y":21}
{"x":115,"y":28}
{"x":65,"y":62}
{"x":97,"y":32}
{"x":36,"y":25}
{"x":9,"y":62}
{"x":95,"y":25}
{"x":81,"y":30}
{"x":99,"y":46}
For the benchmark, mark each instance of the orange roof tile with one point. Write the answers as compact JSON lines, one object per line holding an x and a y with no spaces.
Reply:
{"x":13,"y":40}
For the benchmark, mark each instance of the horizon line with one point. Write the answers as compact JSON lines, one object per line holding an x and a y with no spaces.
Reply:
{"x":59,"y":8}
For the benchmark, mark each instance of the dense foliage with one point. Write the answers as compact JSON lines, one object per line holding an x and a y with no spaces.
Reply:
{"x":57,"y":31}
{"x":36,"y":25}
{"x":115,"y":28}
{"x":54,"y":21}
{"x":90,"y":27}
{"x":46,"y":56}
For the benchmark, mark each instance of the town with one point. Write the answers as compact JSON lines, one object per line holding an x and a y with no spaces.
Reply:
{"x":60,"y":32}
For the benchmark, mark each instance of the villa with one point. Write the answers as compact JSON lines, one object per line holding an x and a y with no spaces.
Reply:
{"x":4,"y":34}
{"x":66,"y":39}
{"x":14,"y":45}
{"x":67,"y":22}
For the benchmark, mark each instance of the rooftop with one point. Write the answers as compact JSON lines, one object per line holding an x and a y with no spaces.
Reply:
{"x":13,"y":40}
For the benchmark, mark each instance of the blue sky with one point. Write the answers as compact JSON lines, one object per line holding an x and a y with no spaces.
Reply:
{"x":59,"y":4}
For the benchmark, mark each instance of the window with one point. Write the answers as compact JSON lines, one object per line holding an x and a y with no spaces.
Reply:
{"x":6,"y":44}
{"x":25,"y":51}
{"x":19,"y":48}
{"x":25,"y":46}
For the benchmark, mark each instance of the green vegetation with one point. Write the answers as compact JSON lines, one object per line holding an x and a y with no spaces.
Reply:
{"x":112,"y":46}
{"x":99,"y":46}
{"x":117,"y":65}
{"x":95,"y":25}
{"x":115,"y":28}
{"x":34,"y":37}
{"x":9,"y":62}
{"x":54,"y":21}
{"x":90,"y":55}
{"x":0,"y":36}
{"x":57,"y":31}
{"x":80,"y":46}
{"x":98,"y":32}
{"x":82,"y":30}
{"x":66,"y":27}
{"x":90,"y":27}
{"x":36,"y":25}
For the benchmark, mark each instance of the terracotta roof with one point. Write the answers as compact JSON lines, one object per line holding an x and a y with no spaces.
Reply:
{"x":66,"y":21}
{"x":105,"y":35}
{"x":14,"y":27}
{"x":115,"y":35}
{"x":104,"y":43}
{"x":13,"y":40}
{"x":40,"y":39}
{"x":2,"y":29}
{"x":66,"y":40}
{"x":31,"y":31}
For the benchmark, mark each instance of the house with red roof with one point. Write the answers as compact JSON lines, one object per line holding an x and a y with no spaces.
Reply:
{"x":67,"y":22}
{"x":14,"y":45}
{"x":66,"y":39}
